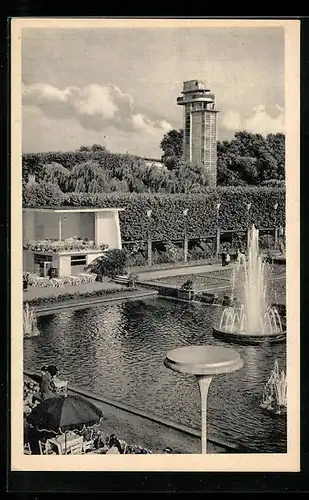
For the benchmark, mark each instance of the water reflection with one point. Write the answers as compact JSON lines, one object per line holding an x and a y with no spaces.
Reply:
{"x":118,"y":351}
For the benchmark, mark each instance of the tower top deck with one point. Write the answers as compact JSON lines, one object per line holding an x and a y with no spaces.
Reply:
{"x":193,"y":86}
{"x":195,"y":91}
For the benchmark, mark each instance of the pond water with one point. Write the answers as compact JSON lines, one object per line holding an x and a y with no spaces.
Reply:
{"x":118,"y":350}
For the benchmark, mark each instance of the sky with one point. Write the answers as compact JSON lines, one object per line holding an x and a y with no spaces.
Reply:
{"x":118,"y":87}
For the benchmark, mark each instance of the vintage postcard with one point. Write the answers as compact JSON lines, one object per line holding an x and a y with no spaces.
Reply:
{"x":155,"y":245}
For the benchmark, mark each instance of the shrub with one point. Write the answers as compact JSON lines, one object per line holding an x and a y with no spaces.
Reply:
{"x":266,"y":241}
{"x":161,"y":257}
{"x":111,"y":264}
{"x":174,"y":252}
{"x":138,"y":259}
{"x":197,"y":253}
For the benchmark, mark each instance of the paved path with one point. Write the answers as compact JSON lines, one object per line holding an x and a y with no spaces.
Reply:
{"x":36,"y":292}
{"x":163,"y":273}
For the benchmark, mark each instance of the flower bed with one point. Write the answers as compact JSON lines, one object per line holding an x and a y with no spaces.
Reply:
{"x":30,"y":389}
{"x":200,"y":280}
{"x":41,"y":301}
{"x":110,"y":443}
{"x":67,"y":245}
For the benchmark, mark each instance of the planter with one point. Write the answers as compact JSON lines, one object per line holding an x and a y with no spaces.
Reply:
{"x":185,"y":294}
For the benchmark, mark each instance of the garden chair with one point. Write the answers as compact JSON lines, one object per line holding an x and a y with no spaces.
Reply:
{"x":66,"y":281}
{"x":49,"y":448}
{"x":83,"y":277}
{"x":45,"y":282}
{"x":32,"y":279}
{"x":53,"y":283}
{"x":42,"y":448}
{"x":88,"y":446}
{"x":27,"y":449}
{"x":75,"y":280}
{"x":76,"y":449}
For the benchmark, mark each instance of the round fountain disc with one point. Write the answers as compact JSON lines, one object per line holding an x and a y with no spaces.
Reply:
{"x":203,"y":360}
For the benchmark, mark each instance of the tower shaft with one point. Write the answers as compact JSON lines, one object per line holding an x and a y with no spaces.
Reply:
{"x":200,"y":127}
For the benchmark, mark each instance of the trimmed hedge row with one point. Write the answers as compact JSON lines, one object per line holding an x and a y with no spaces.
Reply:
{"x":167,"y":219}
{"x":41,"y":301}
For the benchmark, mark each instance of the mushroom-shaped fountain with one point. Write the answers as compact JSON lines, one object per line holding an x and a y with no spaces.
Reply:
{"x":204,"y":362}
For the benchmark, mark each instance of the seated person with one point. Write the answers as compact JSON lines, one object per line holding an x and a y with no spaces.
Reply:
{"x":114,"y":443}
{"x":45,"y":385}
{"x":57,"y":386}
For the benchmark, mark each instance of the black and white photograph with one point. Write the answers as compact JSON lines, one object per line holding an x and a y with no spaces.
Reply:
{"x":155,"y":244}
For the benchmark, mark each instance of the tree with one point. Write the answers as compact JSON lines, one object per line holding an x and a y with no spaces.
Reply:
{"x":155,"y":178}
{"x":56,"y":173}
{"x":42,"y":194}
{"x":276,"y":143}
{"x":89,"y":177}
{"x":191,"y":178}
{"x":251,"y":158}
{"x":172,"y":147}
{"x":93,"y":148}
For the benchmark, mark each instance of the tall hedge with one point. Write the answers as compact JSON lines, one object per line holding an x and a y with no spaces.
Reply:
{"x":167,"y":219}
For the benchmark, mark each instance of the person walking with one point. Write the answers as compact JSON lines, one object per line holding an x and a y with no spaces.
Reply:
{"x":223,"y":258}
{"x":25,"y":282}
{"x":227,"y":259}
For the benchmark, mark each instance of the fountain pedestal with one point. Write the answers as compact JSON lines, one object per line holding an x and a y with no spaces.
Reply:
{"x":203,"y":362}
{"x":244,"y":338}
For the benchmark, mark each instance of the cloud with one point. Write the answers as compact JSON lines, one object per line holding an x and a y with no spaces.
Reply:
{"x":94,"y":106}
{"x":259,"y":123}
{"x":231,"y":120}
{"x":262,"y":123}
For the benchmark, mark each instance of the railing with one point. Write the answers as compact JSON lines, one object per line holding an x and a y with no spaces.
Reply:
{"x":196,"y":95}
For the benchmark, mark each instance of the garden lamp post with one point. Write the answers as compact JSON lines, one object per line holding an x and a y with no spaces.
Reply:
{"x":185,"y":249}
{"x":218,"y":230}
{"x":149,"y":244}
{"x":60,"y":227}
{"x":204,"y":362}
{"x":276,"y":230}
{"x":248,"y":205}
